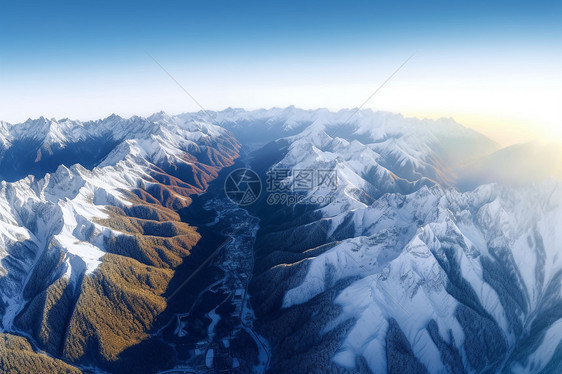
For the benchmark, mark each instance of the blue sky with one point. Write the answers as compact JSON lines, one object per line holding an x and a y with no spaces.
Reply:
{"x":494,"y":66}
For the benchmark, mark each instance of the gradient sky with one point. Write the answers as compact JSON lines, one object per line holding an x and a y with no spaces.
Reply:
{"x":493,"y":66}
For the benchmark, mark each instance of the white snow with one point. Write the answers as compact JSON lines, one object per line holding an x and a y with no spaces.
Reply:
{"x":60,"y":209}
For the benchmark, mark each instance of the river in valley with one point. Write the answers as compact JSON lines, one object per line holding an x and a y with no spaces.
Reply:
{"x":209,"y":321}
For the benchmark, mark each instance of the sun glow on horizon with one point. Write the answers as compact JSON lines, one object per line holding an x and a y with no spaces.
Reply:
{"x":507,"y":112}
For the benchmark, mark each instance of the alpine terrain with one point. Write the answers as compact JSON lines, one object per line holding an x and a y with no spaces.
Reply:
{"x":415,"y":246}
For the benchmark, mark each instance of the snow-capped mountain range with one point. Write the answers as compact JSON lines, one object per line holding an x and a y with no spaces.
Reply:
{"x":402,"y":272}
{"x":66,"y":233}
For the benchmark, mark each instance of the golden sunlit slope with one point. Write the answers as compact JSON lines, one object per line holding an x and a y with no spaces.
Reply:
{"x":94,"y":319}
{"x":18,"y":357}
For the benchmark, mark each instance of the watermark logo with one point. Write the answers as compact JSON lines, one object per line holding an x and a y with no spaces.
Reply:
{"x":301,"y":180}
{"x":243,"y":186}
{"x":301,"y":186}
{"x":284,"y":186}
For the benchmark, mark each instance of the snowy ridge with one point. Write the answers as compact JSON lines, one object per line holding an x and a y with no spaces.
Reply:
{"x":401,"y":273}
{"x":53,"y":132}
{"x":61,"y":209}
{"x":427,"y":277}
{"x":458,"y":235}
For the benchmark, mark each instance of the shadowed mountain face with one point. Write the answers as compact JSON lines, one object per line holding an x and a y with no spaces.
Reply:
{"x":31,"y":157}
{"x":397,"y":272}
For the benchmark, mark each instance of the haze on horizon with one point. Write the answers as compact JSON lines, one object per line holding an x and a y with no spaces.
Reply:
{"x":492,"y":67}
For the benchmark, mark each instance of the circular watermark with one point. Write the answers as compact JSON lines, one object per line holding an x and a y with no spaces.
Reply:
{"x":242,"y":186}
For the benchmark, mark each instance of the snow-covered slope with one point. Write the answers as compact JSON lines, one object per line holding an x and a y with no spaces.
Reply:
{"x":40,"y":146}
{"x":479,"y":272}
{"x":402,"y":273}
{"x":66,"y":234}
{"x":409,"y":148}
